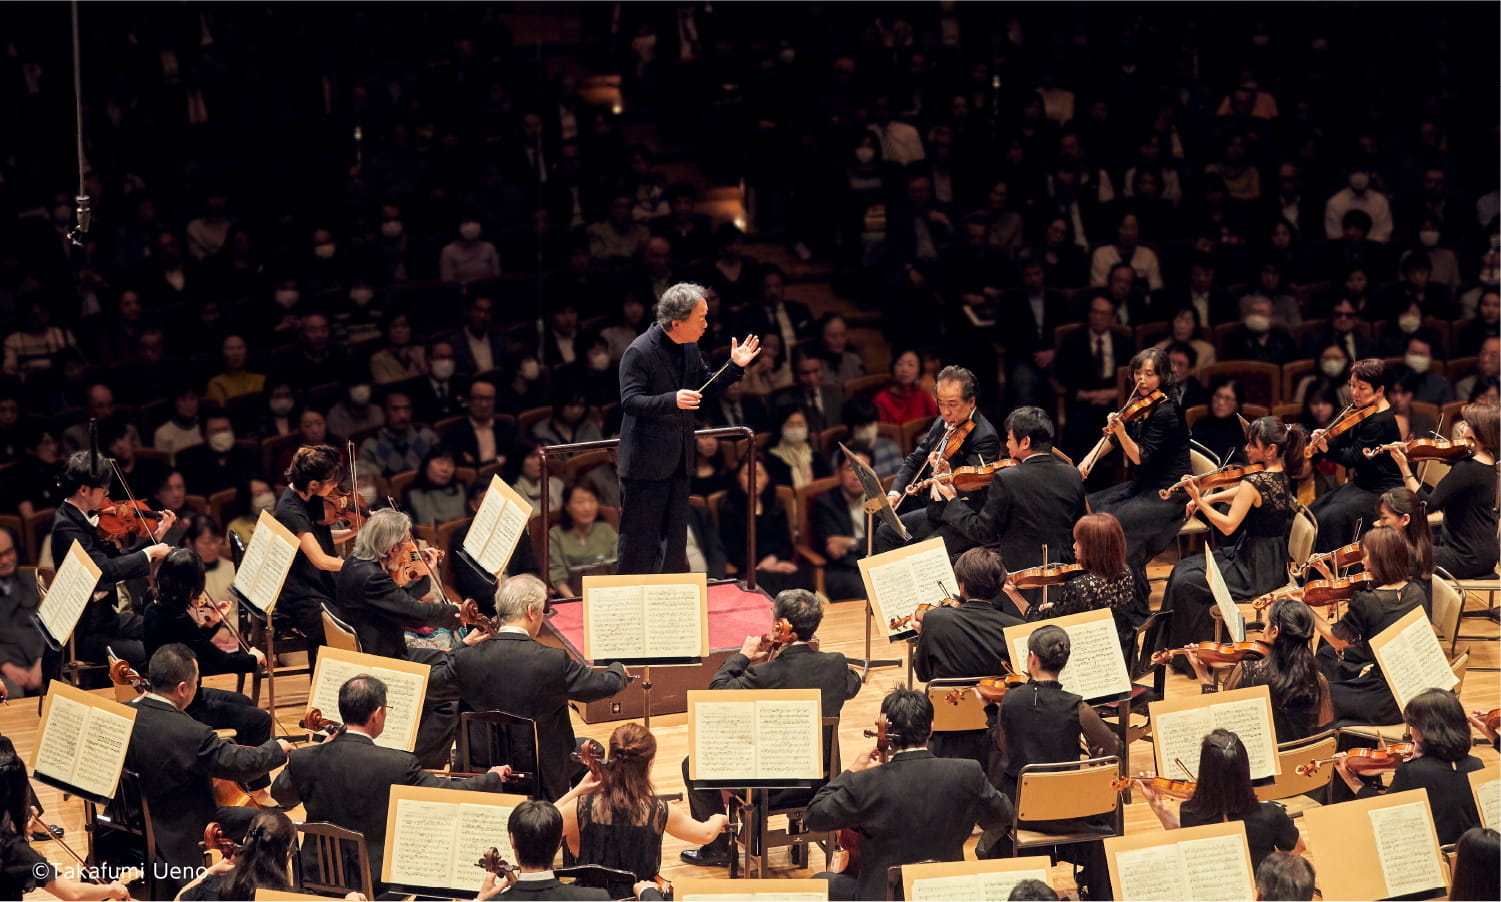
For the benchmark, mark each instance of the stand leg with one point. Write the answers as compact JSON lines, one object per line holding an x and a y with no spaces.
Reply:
{"x":867,"y":663}
{"x":910,"y":643}
{"x":646,"y":696}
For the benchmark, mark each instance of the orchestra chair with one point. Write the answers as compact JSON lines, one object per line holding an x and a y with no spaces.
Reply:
{"x":968,"y":714}
{"x":337,"y":633}
{"x":594,"y":875}
{"x":488,"y":738}
{"x":1149,"y":636}
{"x":1300,"y":538}
{"x":1398,"y":732}
{"x":1490,"y":586}
{"x":1066,"y":791}
{"x":1201,"y":461}
{"x":1448,"y":607}
{"x":894,"y":883}
{"x":756,"y":835}
{"x":1299,"y":793}
{"x":125,"y":828}
{"x":336,"y":865}
{"x":803,"y":509}
{"x":865,"y":385}
{"x":912,"y":432}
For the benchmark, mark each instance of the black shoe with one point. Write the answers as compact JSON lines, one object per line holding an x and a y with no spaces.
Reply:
{"x":53,"y":831}
{"x":707,"y":856}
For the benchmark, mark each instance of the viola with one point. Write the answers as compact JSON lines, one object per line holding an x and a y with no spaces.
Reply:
{"x":230,"y":794}
{"x":338,"y":505}
{"x":492,"y":863}
{"x":1214,"y":479}
{"x":780,"y":637}
{"x":314,"y":722}
{"x":121,"y":523}
{"x":1420,"y":449}
{"x":214,"y":613}
{"x":122,"y":674}
{"x":847,"y":845}
{"x":1321,"y":592}
{"x":1348,"y":419}
{"x":409,"y":565}
{"x":214,"y":840}
{"x":1045,"y":575}
{"x":1138,"y":408}
{"x":591,"y":754}
{"x":1216,"y":652}
{"x":1364,"y":761}
{"x":1347,"y":556}
{"x":902,"y":623}
{"x":990,"y":689}
{"x":1492,"y":720}
{"x":965,"y":479}
{"x":1178,"y":789}
{"x":470,"y":615}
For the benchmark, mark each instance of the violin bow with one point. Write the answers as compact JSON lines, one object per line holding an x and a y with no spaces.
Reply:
{"x":1183,"y":767}
{"x":134,"y":505}
{"x":354,"y":484}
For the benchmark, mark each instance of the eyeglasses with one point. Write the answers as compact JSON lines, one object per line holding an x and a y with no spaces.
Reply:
{"x":1340,"y":315}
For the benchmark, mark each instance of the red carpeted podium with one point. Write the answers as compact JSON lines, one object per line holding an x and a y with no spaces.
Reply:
{"x":734,"y":613}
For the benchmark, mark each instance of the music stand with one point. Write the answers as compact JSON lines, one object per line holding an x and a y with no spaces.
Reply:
{"x":876,"y":507}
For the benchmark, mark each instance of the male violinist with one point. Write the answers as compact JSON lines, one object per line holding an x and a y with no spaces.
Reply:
{"x":955,"y":391}
{"x":85,"y":482}
{"x":797,"y":666}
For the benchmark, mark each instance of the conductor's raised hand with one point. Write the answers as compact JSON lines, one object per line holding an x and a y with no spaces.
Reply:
{"x":743,"y":354}
{"x":688,"y":399}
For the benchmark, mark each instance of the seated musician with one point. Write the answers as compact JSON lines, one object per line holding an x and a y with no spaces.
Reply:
{"x":347,"y":780}
{"x":980,"y":445}
{"x":176,"y":618}
{"x":966,"y":641}
{"x":796,"y":666}
{"x":1338,"y":511}
{"x":916,"y":807}
{"x":22,"y":868}
{"x":1283,"y":875}
{"x":263,"y":861}
{"x":536,"y":832}
{"x":514,"y":672}
{"x":178,"y":758}
{"x":1105,"y":581}
{"x":1040,"y":723}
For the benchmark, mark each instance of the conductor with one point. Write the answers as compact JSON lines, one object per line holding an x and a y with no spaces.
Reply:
{"x":662,"y":381}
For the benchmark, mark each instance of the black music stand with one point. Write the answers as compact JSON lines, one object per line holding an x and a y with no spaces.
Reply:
{"x":877,"y":507}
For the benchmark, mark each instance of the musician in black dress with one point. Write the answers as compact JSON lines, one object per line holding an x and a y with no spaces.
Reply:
{"x":956,"y":388}
{"x":1104,"y":582}
{"x":1466,"y":496}
{"x":1338,"y":511}
{"x":1404,"y":511}
{"x":1259,"y":520}
{"x":312,"y":477}
{"x":1156,"y":442}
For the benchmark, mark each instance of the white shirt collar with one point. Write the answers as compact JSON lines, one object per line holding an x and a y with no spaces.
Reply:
{"x":535,"y":875}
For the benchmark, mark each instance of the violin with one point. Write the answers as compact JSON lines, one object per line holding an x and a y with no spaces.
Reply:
{"x":1420,"y":449}
{"x":1215,"y":479}
{"x":123,"y":522}
{"x":1178,"y":789}
{"x":409,"y":566}
{"x":1348,"y":419}
{"x":1216,"y":653}
{"x":208,"y":607}
{"x":965,"y":479}
{"x":1321,"y":592}
{"x":1347,"y":556}
{"x":470,"y":615}
{"x":338,"y":505}
{"x":1045,"y":575}
{"x":953,"y":440}
{"x":1364,"y":761}
{"x":492,"y":863}
{"x":1133,"y":409}
{"x":314,"y":722}
{"x":901,"y":623}
{"x":990,"y":689}
{"x":1492,"y":720}
{"x":214,"y":840}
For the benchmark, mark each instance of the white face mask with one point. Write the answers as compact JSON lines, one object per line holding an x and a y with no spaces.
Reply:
{"x":263,"y":501}
{"x":282,"y":406}
{"x":443,"y":369}
{"x":864,"y":155}
{"x":361,"y":296}
{"x":221,"y":442}
{"x":795,"y":435}
{"x":1258,"y":323}
{"x":1428,"y":237}
{"x":1409,"y":322}
{"x":323,"y":251}
{"x":287,"y":297}
{"x":469,"y":231}
{"x":359,"y":395}
{"x":529,"y":370}
{"x":391,"y":228}
{"x":1331,"y":366}
{"x":1418,"y":362}
{"x":867,"y":434}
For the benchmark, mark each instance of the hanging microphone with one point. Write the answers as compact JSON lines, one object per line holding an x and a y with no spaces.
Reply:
{"x":84,"y":215}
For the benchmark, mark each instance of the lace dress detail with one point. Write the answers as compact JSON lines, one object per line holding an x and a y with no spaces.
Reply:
{"x":634,"y":847}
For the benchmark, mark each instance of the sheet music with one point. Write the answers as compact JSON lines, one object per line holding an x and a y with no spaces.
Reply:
{"x":1096,"y":668}
{"x":69,"y":593}
{"x":724,"y":740}
{"x":962,"y":888}
{"x":265,"y":565}
{"x":1151,"y":874}
{"x":1247,"y":718}
{"x":1235,"y":623}
{"x":894,"y":590}
{"x":998,"y":884}
{"x":483,"y":524}
{"x":1413,"y":662}
{"x":1217,"y":869}
{"x":105,"y":741}
{"x":1405,"y":846}
{"x":480,"y":827}
{"x":58,"y":747}
{"x":673,"y":621}
{"x":422,"y":844}
{"x":787,"y":740}
{"x":615,"y":622}
{"x":1176,"y":736}
{"x":404,"y":695}
{"x":931,"y":569}
{"x":1488,"y":798}
{"x":510,"y":529}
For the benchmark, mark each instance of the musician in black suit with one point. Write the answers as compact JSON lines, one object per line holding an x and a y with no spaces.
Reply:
{"x":1032,"y":503}
{"x":86,"y":485}
{"x":839,"y":531}
{"x":956,"y":409}
{"x":346,"y":781}
{"x":916,"y":807}
{"x":797,"y":666}
{"x":536,"y":832}
{"x":177,"y":759}
{"x":660,"y":377}
{"x":514,"y":672}
{"x":373,"y":601}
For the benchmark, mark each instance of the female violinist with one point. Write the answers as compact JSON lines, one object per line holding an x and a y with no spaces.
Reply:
{"x":1156,"y":442}
{"x":1356,"y":684}
{"x":313,"y":476}
{"x":169,"y":619}
{"x":1301,"y":702}
{"x":22,"y":868}
{"x":264,"y":861}
{"x":1260,"y":517}
{"x":1223,"y":792}
{"x":1466,"y":496}
{"x":1104,"y":582}
{"x":1403,"y":511}
{"x":1344,"y":442}
{"x":1440,"y":764}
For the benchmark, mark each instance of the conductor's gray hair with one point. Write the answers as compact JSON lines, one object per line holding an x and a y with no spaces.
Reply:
{"x":385,"y":529}
{"x":677,"y":303}
{"x":518,"y":595}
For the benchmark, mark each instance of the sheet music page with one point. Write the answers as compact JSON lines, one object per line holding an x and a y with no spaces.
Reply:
{"x":961,"y":888}
{"x":1235,"y":623}
{"x":1151,"y":874}
{"x":616,"y":623}
{"x":105,"y":740}
{"x":422,"y":843}
{"x":724,"y":740}
{"x":482,"y":527}
{"x":674,"y":621}
{"x":787,"y":740}
{"x":1096,"y":668}
{"x":265,"y":566}
{"x":1177,"y":735}
{"x":998,"y":884}
{"x":405,"y":693}
{"x":1488,"y":797}
{"x":1217,"y":869}
{"x":69,"y":593}
{"x":61,"y":735}
{"x":480,"y":828}
{"x":510,"y":529}
{"x":929,"y":570}
{"x":1248,"y":719}
{"x":1414,"y":662}
{"x":1410,"y":859}
{"x":894,"y":590}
